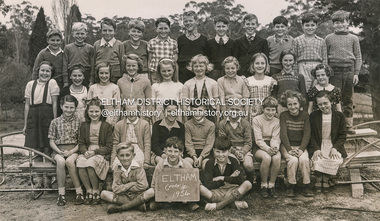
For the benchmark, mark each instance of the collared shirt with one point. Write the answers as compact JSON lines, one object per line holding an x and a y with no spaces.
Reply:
{"x":234,"y":87}
{"x":250,"y":37}
{"x":310,"y":49}
{"x":282,"y":40}
{"x":106,"y":44}
{"x":131,"y":136}
{"x":222,"y":167}
{"x":235,"y":124}
{"x":167,"y":164}
{"x":224,"y":38}
{"x":164,"y":124}
{"x":56,"y":53}
{"x":284,"y":73}
{"x":64,"y":131}
{"x":117,"y":163}
{"x":161,"y":48}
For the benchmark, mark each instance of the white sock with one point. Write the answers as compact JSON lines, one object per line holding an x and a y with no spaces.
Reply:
{"x":61,"y":190}
{"x":271,"y":185}
{"x":264,"y":185}
{"x":79,"y":190}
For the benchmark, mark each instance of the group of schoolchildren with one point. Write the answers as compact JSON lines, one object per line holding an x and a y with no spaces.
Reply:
{"x":304,"y":85}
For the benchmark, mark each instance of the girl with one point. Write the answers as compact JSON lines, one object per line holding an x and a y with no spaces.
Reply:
{"x":287,"y":79}
{"x":266,"y":129}
{"x":328,"y":135}
{"x":40,"y":108}
{"x":95,"y":145}
{"x":106,"y":91}
{"x":168,"y":88}
{"x":78,"y":90}
{"x":260,"y":85}
{"x":322,"y":73}
{"x":295,"y":136}
{"x":129,"y":180}
{"x":201,"y":86}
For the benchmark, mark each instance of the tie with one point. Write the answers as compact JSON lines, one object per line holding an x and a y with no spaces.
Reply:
{"x":132,"y":80}
{"x":107,"y":44}
{"x":221,"y":41}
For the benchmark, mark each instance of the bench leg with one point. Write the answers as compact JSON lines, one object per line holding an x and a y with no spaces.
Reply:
{"x":357,"y":189}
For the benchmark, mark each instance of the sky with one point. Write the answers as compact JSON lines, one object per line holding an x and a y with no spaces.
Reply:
{"x":265,"y":10}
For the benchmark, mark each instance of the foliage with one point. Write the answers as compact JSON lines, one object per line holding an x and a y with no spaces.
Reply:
{"x":74,"y":16}
{"x":4,"y":8}
{"x":61,"y":10}
{"x":37,"y":39}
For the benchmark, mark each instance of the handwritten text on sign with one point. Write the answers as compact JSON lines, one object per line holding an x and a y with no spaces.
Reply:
{"x":177,"y":185}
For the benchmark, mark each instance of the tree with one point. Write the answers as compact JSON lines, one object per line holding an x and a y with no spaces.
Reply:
{"x":74,"y":16}
{"x":4,"y":8}
{"x":37,"y":39}
{"x":61,"y":10}
{"x":92,"y":28}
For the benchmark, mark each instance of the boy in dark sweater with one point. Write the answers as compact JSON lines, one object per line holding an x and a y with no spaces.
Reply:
{"x":224,"y":179}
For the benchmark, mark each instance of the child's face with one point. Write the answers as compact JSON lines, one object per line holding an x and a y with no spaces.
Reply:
{"x":198,"y":113}
{"x":45,"y":73}
{"x":104,"y":74}
{"x":77,"y":77}
{"x":167,"y":72}
{"x":163,"y":30}
{"x":171,"y":113}
{"x":341,"y":25}
{"x":221,"y":29}
{"x":270,"y":112}
{"x":221,"y":156}
{"x":321,"y":77}
{"x":135,"y":34}
{"x":54,"y":42}
{"x":230,"y":69}
{"x":287,"y":62}
{"x":309,"y":28}
{"x":125,"y":157}
{"x":131,"y":66}
{"x":173,"y":155}
{"x":199,"y":69}
{"x":250,"y":26}
{"x":190,"y":23}
{"x":68,"y":109}
{"x":80,"y":36}
{"x":259,"y":65}
{"x":293,"y":105}
{"x":280,"y":29}
{"x":324,"y":104}
{"x":131,"y":112}
{"x":108,"y":32}
{"x":94,"y":112}
{"x":234,"y":111}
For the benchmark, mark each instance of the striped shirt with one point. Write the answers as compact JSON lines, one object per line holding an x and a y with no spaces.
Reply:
{"x":295,"y":130}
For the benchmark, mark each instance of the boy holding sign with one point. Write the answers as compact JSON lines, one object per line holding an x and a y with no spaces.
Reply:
{"x":224,"y":179}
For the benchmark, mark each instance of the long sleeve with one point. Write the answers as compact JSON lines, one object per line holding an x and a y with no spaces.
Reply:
{"x":236,"y":179}
{"x":358,"y":55}
{"x":306,"y":133}
{"x":157,"y":147}
{"x":257,"y":131}
{"x":247,"y":138}
{"x":188,"y":141}
{"x":105,"y":139}
{"x":65,"y":65}
{"x":116,"y":139}
{"x":139,"y":185}
{"x":275,"y":140}
{"x":37,"y":62}
{"x":314,"y":133}
{"x":209,"y":141}
{"x":82,"y":138}
{"x":208,"y":175}
{"x":324,"y":53}
{"x":338,"y":143}
{"x":284,"y":132}
{"x":147,"y":143}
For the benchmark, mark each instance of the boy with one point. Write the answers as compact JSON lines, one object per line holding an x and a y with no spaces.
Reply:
{"x":129,"y":182}
{"x":160,"y":47}
{"x":135,"y":45}
{"x":108,"y":50}
{"x":78,"y":53}
{"x":224,"y":179}
{"x":220,"y":47}
{"x":238,"y":131}
{"x":54,"y":54}
{"x":345,"y":58}
{"x":199,"y":136}
{"x":248,"y":45}
{"x":189,"y":44}
{"x":310,"y":50}
{"x":165,"y":128}
{"x":63,"y":139}
{"x":278,"y":42}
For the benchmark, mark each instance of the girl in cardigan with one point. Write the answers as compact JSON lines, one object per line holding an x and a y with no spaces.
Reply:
{"x":95,"y":145}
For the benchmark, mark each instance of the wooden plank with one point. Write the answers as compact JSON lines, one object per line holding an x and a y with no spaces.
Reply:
{"x":357,"y":189}
{"x":362,"y":133}
{"x":38,"y":167}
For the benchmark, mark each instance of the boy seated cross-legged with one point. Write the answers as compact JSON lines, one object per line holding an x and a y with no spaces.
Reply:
{"x":224,"y":179}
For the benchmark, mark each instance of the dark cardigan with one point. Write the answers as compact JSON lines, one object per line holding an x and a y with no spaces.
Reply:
{"x":105,"y":139}
{"x":338,"y":132}
{"x":160,"y":134}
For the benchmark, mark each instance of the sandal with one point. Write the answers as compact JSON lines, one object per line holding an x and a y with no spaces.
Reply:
{"x":88,"y":199}
{"x":96,"y":199}
{"x":79,"y":200}
{"x":61,"y":201}
{"x":318,"y":187}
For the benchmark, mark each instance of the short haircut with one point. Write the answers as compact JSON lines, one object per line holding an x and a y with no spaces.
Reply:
{"x":250,"y":17}
{"x":200,"y":58}
{"x":137,"y":24}
{"x":163,"y":20}
{"x":286,"y":52}
{"x":68,"y":98}
{"x":231,"y":59}
{"x":53,"y":32}
{"x":170,"y":102}
{"x":340,"y":16}
{"x":174,"y":142}
{"x":221,"y":18}
{"x":253,"y":59}
{"x":308,"y":17}
{"x":125,"y":146}
{"x":108,"y":21}
{"x":291,"y":94}
{"x":166,"y":61}
{"x":103,"y":65}
{"x":134,"y":57}
{"x":47,"y":63}
{"x":280,"y":20}
{"x":77,"y":67}
{"x":95,"y":101}
{"x":79,"y":26}
{"x":222,"y":143}
{"x":190,"y":13}
{"x":269,"y":102}
{"x":324,"y":93}
{"x":329,"y":71}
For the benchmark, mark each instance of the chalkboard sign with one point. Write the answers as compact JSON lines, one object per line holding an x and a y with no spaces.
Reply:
{"x":177,"y":185}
